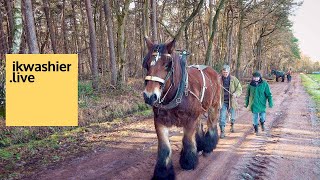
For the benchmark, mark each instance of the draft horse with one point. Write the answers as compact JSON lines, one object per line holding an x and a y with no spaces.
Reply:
{"x":278,"y":74}
{"x":179,"y":95}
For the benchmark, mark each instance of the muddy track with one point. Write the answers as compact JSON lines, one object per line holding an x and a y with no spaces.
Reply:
{"x":288,"y":149}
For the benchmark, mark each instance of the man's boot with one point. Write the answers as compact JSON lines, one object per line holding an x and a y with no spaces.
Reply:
{"x":232,"y":127}
{"x":256,"y":129}
{"x":222,"y":134}
{"x":262,"y":126}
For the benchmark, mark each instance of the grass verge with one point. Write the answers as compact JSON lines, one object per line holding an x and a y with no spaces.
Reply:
{"x":313,"y":88}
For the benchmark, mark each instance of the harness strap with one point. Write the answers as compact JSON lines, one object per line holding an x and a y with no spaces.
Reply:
{"x":204,"y":86}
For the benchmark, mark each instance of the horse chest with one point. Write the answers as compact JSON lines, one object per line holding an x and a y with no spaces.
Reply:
{"x":172,"y":117}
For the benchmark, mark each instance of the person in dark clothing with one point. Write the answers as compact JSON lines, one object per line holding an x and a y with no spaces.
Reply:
{"x":289,"y":75}
{"x":258,"y":92}
{"x":231,"y":89}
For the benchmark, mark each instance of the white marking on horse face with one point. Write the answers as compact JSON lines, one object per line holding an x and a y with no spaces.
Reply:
{"x":155,"y":91}
{"x":153,"y":62}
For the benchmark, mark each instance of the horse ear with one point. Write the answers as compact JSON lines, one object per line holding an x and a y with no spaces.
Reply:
{"x":149,"y":43}
{"x":171,"y":46}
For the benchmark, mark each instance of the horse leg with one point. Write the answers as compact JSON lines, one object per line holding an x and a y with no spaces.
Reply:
{"x":211,"y":136}
{"x":200,"y":136}
{"x":189,"y":156}
{"x":164,"y":168}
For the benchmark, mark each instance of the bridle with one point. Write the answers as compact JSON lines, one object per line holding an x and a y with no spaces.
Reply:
{"x":183,"y":83}
{"x":156,"y":53}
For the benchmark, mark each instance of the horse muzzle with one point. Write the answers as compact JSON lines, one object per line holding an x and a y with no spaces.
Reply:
{"x":150,"y":99}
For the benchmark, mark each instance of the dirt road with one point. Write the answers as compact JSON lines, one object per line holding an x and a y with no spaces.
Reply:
{"x":288,"y":149}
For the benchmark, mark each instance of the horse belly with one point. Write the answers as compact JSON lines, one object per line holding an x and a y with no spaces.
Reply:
{"x":176,"y":117}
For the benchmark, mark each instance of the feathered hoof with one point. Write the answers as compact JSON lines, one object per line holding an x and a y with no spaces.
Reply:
{"x":164,"y":173}
{"x":188,"y":159}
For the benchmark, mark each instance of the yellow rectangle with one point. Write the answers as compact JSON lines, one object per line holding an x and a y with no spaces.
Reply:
{"x":41,"y":90}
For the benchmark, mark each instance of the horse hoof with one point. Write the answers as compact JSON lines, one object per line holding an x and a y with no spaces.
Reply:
{"x":206,"y":154}
{"x":188,"y":160}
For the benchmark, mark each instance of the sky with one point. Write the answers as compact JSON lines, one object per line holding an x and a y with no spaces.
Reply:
{"x":306,"y":28}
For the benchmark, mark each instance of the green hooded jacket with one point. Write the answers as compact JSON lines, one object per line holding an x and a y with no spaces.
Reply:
{"x":235,"y":90}
{"x":256,"y":97}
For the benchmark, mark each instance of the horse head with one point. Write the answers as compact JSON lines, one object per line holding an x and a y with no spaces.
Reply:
{"x":160,"y":67}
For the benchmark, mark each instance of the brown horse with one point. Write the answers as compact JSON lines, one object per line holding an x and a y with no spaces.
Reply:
{"x":179,"y":95}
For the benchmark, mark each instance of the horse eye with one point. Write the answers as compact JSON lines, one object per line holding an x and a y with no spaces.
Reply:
{"x":167,"y":65}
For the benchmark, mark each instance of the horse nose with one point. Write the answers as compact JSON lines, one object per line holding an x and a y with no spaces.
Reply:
{"x":149,"y":100}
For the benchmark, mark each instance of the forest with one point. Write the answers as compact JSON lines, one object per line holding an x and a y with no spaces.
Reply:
{"x":109,"y":36}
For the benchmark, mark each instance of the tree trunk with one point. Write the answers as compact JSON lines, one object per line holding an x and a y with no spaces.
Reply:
{"x":93,"y":46}
{"x":240,"y":39}
{"x":257,"y":62}
{"x":50,"y":26}
{"x":3,"y":44}
{"x":211,"y":9}
{"x":76,"y":36}
{"x":121,"y":40}
{"x":63,"y":24}
{"x":154,"y":21}
{"x":145,"y":24}
{"x":10,"y":26}
{"x":86,"y":60}
{"x":113,"y":63}
{"x":208,"y":60}
{"x":18,"y":27}
{"x":230,"y":34}
{"x":103,"y":57}
{"x":202,"y":30}
{"x":31,"y":30}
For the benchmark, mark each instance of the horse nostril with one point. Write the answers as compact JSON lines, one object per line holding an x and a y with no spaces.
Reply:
{"x":146,"y":98}
{"x":153,"y":98}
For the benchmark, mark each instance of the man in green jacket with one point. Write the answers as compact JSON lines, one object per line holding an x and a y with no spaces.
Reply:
{"x":230,"y":90}
{"x":258,"y":92}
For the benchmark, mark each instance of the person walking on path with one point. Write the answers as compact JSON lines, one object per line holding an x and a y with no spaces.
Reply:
{"x":258,"y":92}
{"x":289,"y":75}
{"x":231,"y":90}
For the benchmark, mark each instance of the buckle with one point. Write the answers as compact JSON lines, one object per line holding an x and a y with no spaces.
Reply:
{"x":178,"y":100}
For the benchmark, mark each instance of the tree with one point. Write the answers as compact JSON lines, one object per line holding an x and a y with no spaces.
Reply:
{"x":154,"y":21}
{"x":50,"y":25}
{"x":122,"y":13}
{"x":18,"y":27}
{"x":31,"y":32}
{"x":93,"y":45}
{"x":113,"y":62}
{"x":208,"y":60}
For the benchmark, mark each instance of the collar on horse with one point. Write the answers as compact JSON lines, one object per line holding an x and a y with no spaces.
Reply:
{"x":182,"y":88}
